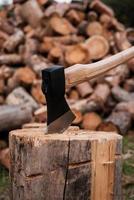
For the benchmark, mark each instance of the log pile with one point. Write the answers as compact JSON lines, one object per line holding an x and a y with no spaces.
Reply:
{"x":36,"y":34}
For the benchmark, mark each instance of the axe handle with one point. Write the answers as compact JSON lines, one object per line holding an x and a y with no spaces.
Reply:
{"x":79,"y":73}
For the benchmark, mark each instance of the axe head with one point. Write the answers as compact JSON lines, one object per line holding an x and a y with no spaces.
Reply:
{"x":59,"y":115}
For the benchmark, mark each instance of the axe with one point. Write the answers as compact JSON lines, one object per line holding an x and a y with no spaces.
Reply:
{"x":55,"y":79}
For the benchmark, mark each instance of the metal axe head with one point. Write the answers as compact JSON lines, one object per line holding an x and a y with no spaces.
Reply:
{"x":59,"y":115}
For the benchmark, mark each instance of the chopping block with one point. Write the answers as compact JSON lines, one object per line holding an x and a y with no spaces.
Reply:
{"x":75,"y":165}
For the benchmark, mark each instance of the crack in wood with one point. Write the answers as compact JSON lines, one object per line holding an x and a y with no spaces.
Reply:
{"x":64,"y":192}
{"x":39,"y":175}
{"x":73,"y":165}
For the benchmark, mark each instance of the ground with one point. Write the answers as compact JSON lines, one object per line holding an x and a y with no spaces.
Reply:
{"x":128,"y":172}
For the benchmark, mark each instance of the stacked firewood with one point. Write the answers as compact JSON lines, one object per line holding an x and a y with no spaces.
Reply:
{"x":36,"y":34}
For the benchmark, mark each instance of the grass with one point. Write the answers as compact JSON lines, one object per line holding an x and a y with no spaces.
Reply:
{"x":4,"y":179}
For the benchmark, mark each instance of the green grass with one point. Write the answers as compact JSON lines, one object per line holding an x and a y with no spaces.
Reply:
{"x":4,"y":179}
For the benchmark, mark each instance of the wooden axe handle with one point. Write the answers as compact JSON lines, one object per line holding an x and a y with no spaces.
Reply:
{"x":79,"y":72}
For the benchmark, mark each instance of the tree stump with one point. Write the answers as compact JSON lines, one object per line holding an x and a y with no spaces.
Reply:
{"x":76,"y":165}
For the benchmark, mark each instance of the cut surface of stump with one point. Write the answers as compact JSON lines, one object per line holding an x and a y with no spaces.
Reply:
{"x":69,"y":166}
{"x":98,"y":46}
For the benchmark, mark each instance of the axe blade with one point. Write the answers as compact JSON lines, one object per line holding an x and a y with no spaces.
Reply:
{"x":59,"y":115}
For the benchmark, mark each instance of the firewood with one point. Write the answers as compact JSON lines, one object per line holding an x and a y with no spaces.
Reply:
{"x":61,"y":25}
{"x":117,"y":25}
{"x":100,"y":7}
{"x":37,"y":63}
{"x":108,"y":127}
{"x":122,"y":95}
{"x":122,"y":41}
{"x":122,"y":120}
{"x":130,"y":64}
{"x":73,"y":94}
{"x":92,"y":16}
{"x":27,"y":10}
{"x":41,"y":114}
{"x":6,"y":72}
{"x":2,"y":85}
{"x":67,"y":40}
{"x":56,"y":55}
{"x":24,"y":75}
{"x":30,"y":48}
{"x":6,"y":27}
{"x":75,"y":17}
{"x":3,"y":35}
{"x":37,"y":92}
{"x":94,"y":28}
{"x":13,"y":116}
{"x":2,"y":100}
{"x":10,"y":59}
{"x":60,"y":9}
{"x":13,"y":41}
{"x":84,"y":89}
{"x":42,"y":2}
{"x":105,"y":20}
{"x":130,"y":35}
{"x":129,"y":85}
{"x":85,"y":105}
{"x":117,"y":76}
{"x":82,"y":28}
{"x":101,"y":93}
{"x":126,"y":106}
{"x":91,"y":121}
{"x":98,"y":47}
{"x":34,"y":125}
{"x":77,"y":54}
{"x":5,"y":158}
{"x":78,"y":116}
{"x":19,"y":96}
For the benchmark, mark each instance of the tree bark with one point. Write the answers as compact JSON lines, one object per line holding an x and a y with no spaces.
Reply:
{"x":73,"y":166}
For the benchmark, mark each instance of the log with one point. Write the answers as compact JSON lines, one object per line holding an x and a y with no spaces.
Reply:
{"x":84,"y":89}
{"x":58,"y":8}
{"x":14,"y":116}
{"x":100,"y":7}
{"x":108,"y":127}
{"x":122,"y":41}
{"x":13,"y":41}
{"x":77,"y":54}
{"x":73,"y":94}
{"x":91,"y":121}
{"x":27,"y":10}
{"x":94,"y":28}
{"x":61,"y":25}
{"x":98,"y":47}
{"x":130,"y":64}
{"x":126,"y":106}
{"x":24,"y":75}
{"x":41,"y":114}
{"x":122,"y":95}
{"x":129,"y":85}
{"x":37,"y":92}
{"x":101,"y":93}
{"x":75,"y":16}
{"x":122,"y":119}
{"x":78,"y":117}
{"x":20,"y":96}
{"x":10,"y":59}
{"x":65,"y":166}
{"x":5,"y":158}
